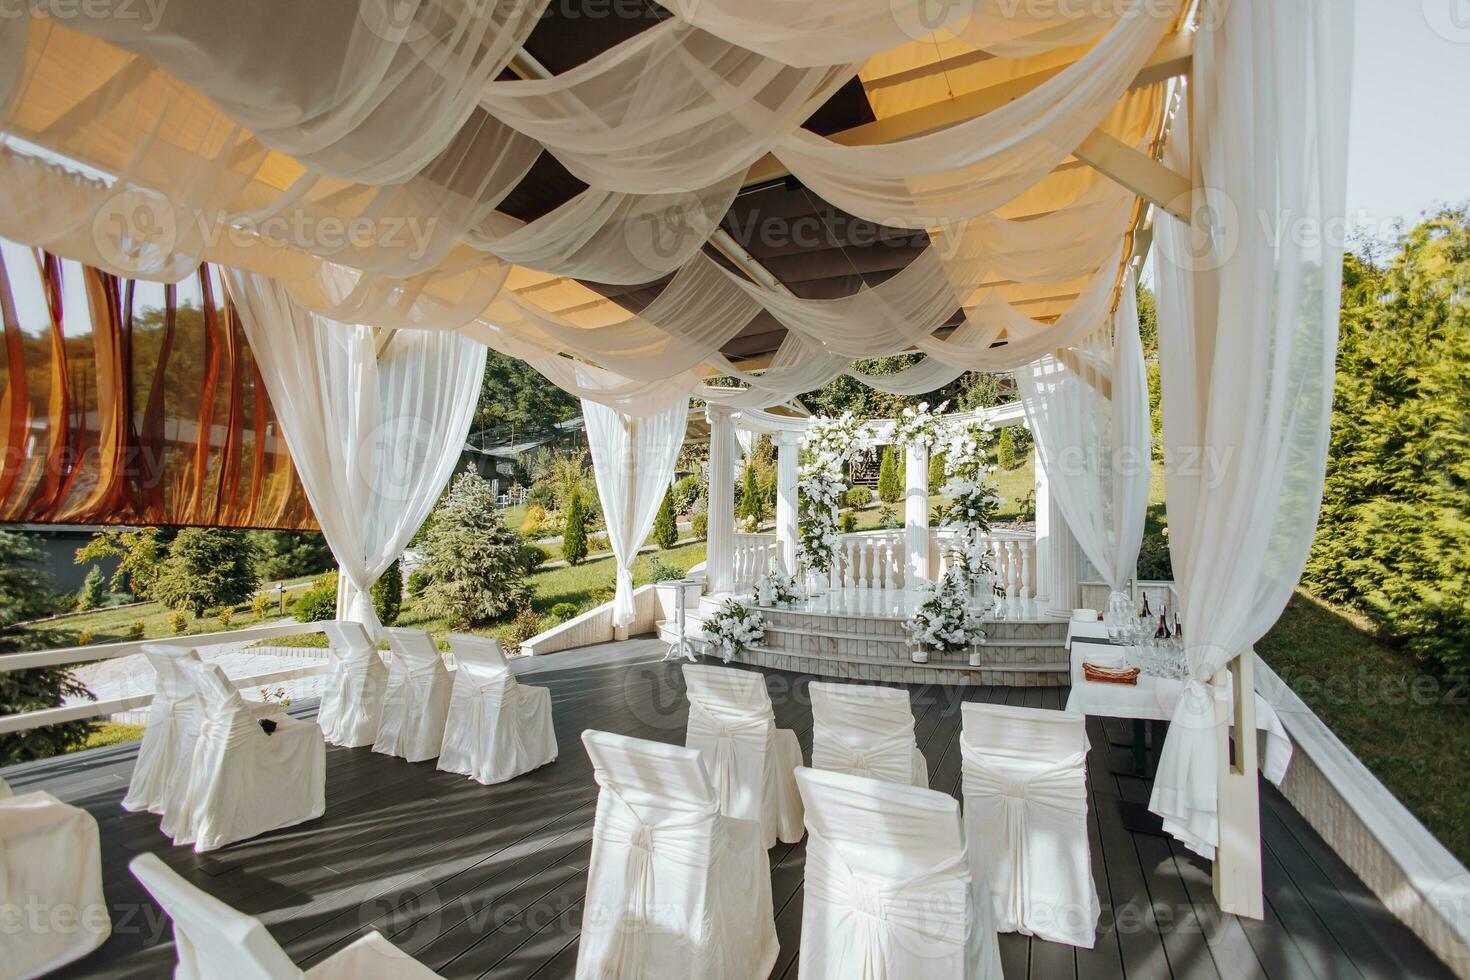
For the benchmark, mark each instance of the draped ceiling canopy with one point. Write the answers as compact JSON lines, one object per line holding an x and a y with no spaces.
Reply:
{"x":628,"y":196}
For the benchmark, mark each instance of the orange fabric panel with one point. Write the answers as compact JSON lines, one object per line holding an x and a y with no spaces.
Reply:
{"x":130,"y":402}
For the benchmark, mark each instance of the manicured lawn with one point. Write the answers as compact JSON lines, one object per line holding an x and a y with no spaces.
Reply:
{"x":1409,"y":726}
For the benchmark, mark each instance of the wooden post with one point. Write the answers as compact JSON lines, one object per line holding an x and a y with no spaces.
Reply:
{"x":1237,"y":870}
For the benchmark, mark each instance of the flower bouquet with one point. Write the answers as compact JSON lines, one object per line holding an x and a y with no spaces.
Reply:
{"x":734,"y":628}
{"x":944,"y":622}
{"x":778,"y":590}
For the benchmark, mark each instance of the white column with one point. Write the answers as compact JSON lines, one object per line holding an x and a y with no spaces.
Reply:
{"x":723,"y":452}
{"x":788,"y":445}
{"x":916,"y":516}
{"x":1058,"y":563}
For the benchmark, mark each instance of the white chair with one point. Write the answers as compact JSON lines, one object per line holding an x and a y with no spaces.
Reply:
{"x":1025,"y":790}
{"x":215,"y":941}
{"x":888,"y":891}
{"x":352,"y":698}
{"x":242,"y":781}
{"x":866,"y":731}
{"x":51,"y":860}
{"x":161,"y":772}
{"x":750,"y":761}
{"x":496,"y":728}
{"x":4,"y":790}
{"x":417,"y":701}
{"x":675,"y":888}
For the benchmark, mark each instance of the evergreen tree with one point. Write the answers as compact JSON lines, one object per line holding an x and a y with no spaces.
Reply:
{"x":473,"y":561}
{"x":25,"y":593}
{"x":1005,"y":450}
{"x":93,"y":590}
{"x":207,"y":567}
{"x":752,"y":496}
{"x":292,"y":554}
{"x":387,"y":593}
{"x":574,"y":538}
{"x":665,"y":528}
{"x":890,"y":480}
{"x":139,"y":553}
{"x":936,"y":471}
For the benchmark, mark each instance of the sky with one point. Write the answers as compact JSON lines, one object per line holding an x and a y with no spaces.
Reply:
{"x":1409,"y":137}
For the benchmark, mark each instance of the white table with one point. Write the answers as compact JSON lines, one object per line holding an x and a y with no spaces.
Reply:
{"x":1153,"y":699}
{"x":679,"y":647}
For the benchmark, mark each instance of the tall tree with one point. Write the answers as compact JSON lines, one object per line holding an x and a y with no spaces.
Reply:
{"x":140,"y":554}
{"x":207,"y":567}
{"x":665,"y":526}
{"x":890,"y":481}
{"x":514,"y":397}
{"x":574,"y":536}
{"x":473,"y":561}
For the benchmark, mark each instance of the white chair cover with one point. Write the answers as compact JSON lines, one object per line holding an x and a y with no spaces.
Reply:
{"x":750,"y":761}
{"x":675,"y":888}
{"x":417,"y":702}
{"x":4,"y":790}
{"x":243,"y":782}
{"x":50,"y":859}
{"x":214,"y":940}
{"x":866,"y":731}
{"x":352,"y":699}
{"x":161,"y":772}
{"x":888,"y":889}
{"x":496,"y":728}
{"x":1025,"y":789}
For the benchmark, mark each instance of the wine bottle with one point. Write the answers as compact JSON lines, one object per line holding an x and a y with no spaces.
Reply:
{"x":1162,"y":633}
{"x":1146,"y":614}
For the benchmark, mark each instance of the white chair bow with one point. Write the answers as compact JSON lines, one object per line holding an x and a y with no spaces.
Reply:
{"x":888,"y":892}
{"x":866,"y":731}
{"x":417,"y":700}
{"x":243,"y":782}
{"x":352,"y":699}
{"x":496,"y":728}
{"x":1025,"y":790}
{"x":675,"y":889}
{"x":751,"y":762}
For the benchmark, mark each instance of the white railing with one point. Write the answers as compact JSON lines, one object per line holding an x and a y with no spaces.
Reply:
{"x":753,"y":555}
{"x":228,"y":640}
{"x":870,"y":560}
{"x":1012,"y":554}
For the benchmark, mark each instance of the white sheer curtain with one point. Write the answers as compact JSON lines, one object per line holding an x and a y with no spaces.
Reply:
{"x":633,"y":457}
{"x":374,"y":434}
{"x":1247,"y":336}
{"x":1088,"y":408}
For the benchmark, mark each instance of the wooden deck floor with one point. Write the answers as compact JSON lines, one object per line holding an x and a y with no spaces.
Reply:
{"x":488,"y":881}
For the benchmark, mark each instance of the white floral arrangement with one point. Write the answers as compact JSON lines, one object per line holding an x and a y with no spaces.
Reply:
{"x":965,"y":446}
{"x":827,"y":443}
{"x":734,"y":628}
{"x":919,"y":427}
{"x":973,"y":504}
{"x":777,"y":590}
{"x":944,"y":622}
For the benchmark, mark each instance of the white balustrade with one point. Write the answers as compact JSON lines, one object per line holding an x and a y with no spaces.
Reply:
{"x":753,"y":556}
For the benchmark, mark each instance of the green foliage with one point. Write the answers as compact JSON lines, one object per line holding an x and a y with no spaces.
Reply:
{"x":890,"y":480}
{"x":1148,"y":321}
{"x":260,"y":606}
{"x":526,"y":625}
{"x":93,"y":590}
{"x":207,"y":567}
{"x":291,"y":554}
{"x":1393,"y":540}
{"x":752,"y":504}
{"x":140,"y":555}
{"x":984,"y":391}
{"x":563,"y":611}
{"x":515,"y":398}
{"x":533,"y":556}
{"x":319,"y":602}
{"x":85,"y":638}
{"x":387,"y":593}
{"x":687,"y":492}
{"x":659,"y":571}
{"x":418,"y":581}
{"x":845,"y":393}
{"x":888,"y":518}
{"x":574,"y":538}
{"x":860,"y":497}
{"x":25,"y":592}
{"x":700,"y":523}
{"x":474,"y":562}
{"x":936,"y":471}
{"x":665,"y":528}
{"x":1154,"y":561}
{"x":847,"y":522}
{"x":537,"y":523}
{"x":178,"y":620}
{"x":226,"y":617}
{"x":1005,"y":449}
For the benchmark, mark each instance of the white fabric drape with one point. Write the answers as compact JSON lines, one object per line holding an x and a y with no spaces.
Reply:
{"x":866,"y":731}
{"x":416,"y":703}
{"x":374,"y":435}
{"x":633,"y":458}
{"x":1087,"y":405}
{"x":1247,"y":336}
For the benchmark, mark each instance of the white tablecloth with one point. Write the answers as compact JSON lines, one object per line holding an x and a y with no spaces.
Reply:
{"x":1153,"y":699}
